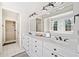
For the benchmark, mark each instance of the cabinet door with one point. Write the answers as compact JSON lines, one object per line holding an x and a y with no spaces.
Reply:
{"x":48,"y":53}
{"x":53,"y":47}
{"x":37,"y":51}
{"x":24,"y":43}
{"x":37,"y":47}
{"x":30,"y":46}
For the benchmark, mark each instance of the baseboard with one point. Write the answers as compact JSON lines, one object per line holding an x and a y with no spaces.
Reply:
{"x":9,"y":43}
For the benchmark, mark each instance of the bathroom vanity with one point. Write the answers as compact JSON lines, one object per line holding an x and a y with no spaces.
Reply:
{"x":36,"y":46}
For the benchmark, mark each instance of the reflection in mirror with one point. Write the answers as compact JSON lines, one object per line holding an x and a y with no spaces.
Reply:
{"x":60,"y":14}
{"x":39,"y":25}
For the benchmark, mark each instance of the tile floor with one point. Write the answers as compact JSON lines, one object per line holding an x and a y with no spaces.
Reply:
{"x":11,"y":50}
{"x":22,"y":54}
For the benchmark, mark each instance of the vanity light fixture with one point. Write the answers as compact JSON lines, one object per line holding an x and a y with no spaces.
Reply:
{"x":33,"y":14}
{"x":53,"y":4}
{"x":44,"y":8}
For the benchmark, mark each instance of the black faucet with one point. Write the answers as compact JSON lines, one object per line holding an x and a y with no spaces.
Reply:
{"x":60,"y":38}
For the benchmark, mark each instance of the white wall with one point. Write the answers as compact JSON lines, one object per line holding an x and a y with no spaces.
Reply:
{"x":0,"y":28}
{"x":76,"y":26}
{"x":76,"y":8}
{"x":0,"y":22}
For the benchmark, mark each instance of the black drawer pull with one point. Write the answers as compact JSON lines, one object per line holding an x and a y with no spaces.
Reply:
{"x":52,"y":54}
{"x":55,"y":50}
{"x":56,"y":56}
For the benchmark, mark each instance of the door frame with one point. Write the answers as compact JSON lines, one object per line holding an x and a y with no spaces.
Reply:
{"x":18,"y":36}
{"x":5,"y":32}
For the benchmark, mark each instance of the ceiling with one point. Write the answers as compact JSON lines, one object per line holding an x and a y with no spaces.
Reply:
{"x":28,"y":8}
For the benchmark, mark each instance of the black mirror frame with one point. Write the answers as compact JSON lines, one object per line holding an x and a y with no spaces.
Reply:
{"x":75,"y":17}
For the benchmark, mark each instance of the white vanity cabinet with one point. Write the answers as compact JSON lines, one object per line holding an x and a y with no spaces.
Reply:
{"x":51,"y":50}
{"x":42,"y":47}
{"x":58,"y":50}
{"x":32,"y":46}
{"x":50,"y":53}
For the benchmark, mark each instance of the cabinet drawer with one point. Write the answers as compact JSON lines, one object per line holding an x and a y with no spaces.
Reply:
{"x":48,"y":53}
{"x":38,"y":51}
{"x":52,"y":47}
{"x":37,"y":42}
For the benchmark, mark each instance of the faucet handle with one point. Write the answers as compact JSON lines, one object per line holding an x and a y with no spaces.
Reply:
{"x":66,"y":39}
{"x":56,"y":38}
{"x":60,"y":37}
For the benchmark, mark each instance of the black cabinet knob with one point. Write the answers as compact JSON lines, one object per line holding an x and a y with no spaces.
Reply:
{"x":35,"y":41}
{"x":35,"y":46}
{"x":35,"y":50}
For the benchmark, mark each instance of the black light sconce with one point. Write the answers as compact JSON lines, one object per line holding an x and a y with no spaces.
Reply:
{"x":75,"y":17}
{"x":33,"y":14}
{"x":49,"y":4}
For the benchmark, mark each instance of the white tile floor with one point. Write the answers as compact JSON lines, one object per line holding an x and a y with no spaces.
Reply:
{"x":10,"y":50}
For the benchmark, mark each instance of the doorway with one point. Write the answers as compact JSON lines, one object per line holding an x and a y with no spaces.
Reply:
{"x":10,"y":32}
